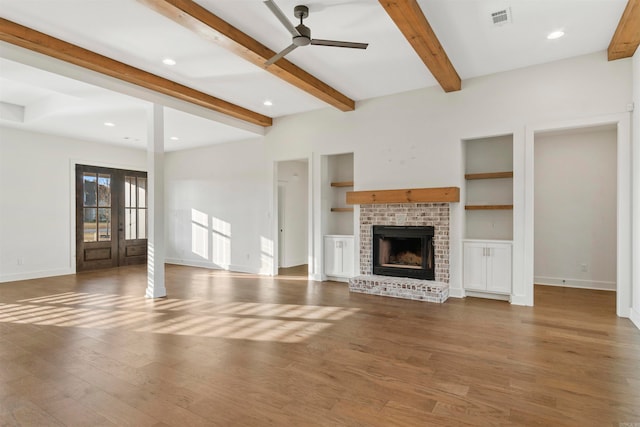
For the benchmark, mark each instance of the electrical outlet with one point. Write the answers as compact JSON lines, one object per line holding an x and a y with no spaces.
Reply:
{"x":20,"y":260}
{"x":583,"y":267}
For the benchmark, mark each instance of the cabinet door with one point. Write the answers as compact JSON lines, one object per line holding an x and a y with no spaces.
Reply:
{"x":475,"y":266}
{"x":331,"y":261}
{"x":348,"y":256}
{"x":499,"y":268}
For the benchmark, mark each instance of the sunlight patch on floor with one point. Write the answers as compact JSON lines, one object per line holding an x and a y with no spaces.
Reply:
{"x":287,"y":323}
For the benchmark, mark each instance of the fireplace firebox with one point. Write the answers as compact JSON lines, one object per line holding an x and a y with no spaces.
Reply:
{"x":403,"y":251}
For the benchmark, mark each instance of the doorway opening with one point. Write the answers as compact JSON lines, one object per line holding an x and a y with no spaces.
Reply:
{"x":293,"y":217}
{"x":575,"y":210}
{"x":111,"y":217}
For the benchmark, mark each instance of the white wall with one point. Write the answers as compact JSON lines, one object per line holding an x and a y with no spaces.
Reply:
{"x":218,"y":208}
{"x":575,"y":208}
{"x":635,"y":309}
{"x":293,"y":175}
{"x":37,"y":216}
{"x":414,"y":139}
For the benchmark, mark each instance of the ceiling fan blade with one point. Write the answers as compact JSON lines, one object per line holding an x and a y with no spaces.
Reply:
{"x":281,"y":17}
{"x":336,"y":43}
{"x":279,"y":55}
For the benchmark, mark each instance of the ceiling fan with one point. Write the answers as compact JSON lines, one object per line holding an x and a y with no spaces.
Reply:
{"x":302,"y":34}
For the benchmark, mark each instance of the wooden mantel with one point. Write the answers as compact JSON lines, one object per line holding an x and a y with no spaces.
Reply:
{"x":407,"y":195}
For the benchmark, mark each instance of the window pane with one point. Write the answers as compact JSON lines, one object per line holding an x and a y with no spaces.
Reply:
{"x":104,"y":190}
{"x":89,"y":189}
{"x":142,"y":223}
{"x":104,"y":224}
{"x":129,"y":224}
{"x":89,"y":221}
{"x":128,"y":191}
{"x":142,"y":192}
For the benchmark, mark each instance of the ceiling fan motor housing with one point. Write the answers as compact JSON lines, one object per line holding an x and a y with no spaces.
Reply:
{"x":305,"y":36}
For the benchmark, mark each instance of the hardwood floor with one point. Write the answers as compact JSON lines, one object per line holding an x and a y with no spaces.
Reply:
{"x":231,"y":349}
{"x":295,"y":271}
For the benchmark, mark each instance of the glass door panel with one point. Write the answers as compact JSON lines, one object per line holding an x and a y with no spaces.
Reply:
{"x":90,"y":227}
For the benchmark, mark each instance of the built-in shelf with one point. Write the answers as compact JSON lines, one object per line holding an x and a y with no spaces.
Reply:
{"x":341,"y":209}
{"x":488,"y":207}
{"x":342,"y":184}
{"x":489,"y":175}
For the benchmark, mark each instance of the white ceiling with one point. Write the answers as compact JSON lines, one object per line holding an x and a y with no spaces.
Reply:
{"x":129,"y":32}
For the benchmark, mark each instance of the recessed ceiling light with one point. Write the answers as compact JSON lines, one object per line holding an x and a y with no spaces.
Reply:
{"x":268,"y":103}
{"x":174,"y":138}
{"x":555,"y":35}
{"x":169,"y":61}
{"x":109,"y":124}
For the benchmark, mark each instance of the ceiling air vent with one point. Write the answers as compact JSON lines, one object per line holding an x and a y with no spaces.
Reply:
{"x":501,"y":17}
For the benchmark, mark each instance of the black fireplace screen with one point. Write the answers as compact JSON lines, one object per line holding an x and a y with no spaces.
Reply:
{"x":403,"y":251}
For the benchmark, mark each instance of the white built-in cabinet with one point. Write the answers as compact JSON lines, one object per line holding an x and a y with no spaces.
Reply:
{"x":339,"y":256}
{"x":338,"y":228}
{"x":487,"y":266}
{"x":487,"y":248}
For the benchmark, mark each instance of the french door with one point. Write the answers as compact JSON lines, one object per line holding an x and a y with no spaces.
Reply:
{"x":111,"y":217}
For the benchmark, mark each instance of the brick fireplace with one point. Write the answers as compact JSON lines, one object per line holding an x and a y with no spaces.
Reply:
{"x":406,"y":208}
{"x":407,"y":214}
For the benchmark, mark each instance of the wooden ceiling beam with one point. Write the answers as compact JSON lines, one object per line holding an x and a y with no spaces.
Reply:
{"x":411,"y":21}
{"x":627,"y":36}
{"x":209,"y":26}
{"x":36,"y":41}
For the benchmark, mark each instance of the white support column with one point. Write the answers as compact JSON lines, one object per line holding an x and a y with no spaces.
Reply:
{"x":155,"y":172}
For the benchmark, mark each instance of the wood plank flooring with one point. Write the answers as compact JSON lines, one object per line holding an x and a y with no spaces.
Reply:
{"x":229,"y":349}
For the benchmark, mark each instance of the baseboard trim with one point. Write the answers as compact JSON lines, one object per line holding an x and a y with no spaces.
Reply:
{"x":520,"y":300}
{"x":294,"y":264}
{"x":575,"y":283}
{"x":35,"y":275}
{"x":338,"y":279}
{"x":192,"y":263}
{"x":456,"y":292}
{"x":211,"y":266}
{"x":488,"y":295}
{"x":635,"y":317}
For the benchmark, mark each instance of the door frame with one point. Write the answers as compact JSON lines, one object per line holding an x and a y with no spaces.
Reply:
{"x":281,"y":238}
{"x":277,"y":181}
{"x":624,"y":264}
{"x":72,"y":197}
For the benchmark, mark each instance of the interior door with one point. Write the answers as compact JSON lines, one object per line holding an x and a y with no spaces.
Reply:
{"x":111,"y":217}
